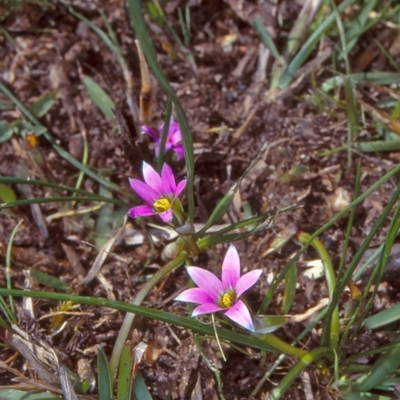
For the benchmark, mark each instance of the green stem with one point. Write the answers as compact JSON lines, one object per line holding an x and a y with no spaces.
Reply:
{"x":281,"y":346}
{"x":141,"y":295}
{"x":330,"y":281}
{"x":304,"y":362}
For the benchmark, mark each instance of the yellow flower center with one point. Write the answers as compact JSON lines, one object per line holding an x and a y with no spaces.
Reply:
{"x":162,"y":205}
{"x":227,"y":299}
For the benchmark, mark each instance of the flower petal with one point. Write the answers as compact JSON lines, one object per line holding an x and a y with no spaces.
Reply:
{"x":168,"y":180}
{"x":180,"y":187}
{"x":148,"y":194}
{"x":166,"y":216}
{"x":194,"y":295}
{"x":152,"y":178}
{"x":247,"y":281}
{"x":147,"y":130}
{"x":230,"y":268}
{"x":141,"y":211}
{"x":206,"y":309}
{"x":179,"y":151}
{"x":240,"y":314}
{"x":207,"y":281}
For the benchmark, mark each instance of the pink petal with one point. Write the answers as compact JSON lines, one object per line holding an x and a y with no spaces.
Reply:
{"x":240,"y":314}
{"x":166,"y":216}
{"x":176,"y":137}
{"x":179,"y":152}
{"x":168,"y":180}
{"x":147,"y":130}
{"x":195,"y":295}
{"x":141,"y":211}
{"x":180,"y":187}
{"x":152,"y":178}
{"x":230,"y":268}
{"x":206,"y":309}
{"x":148,"y":194}
{"x":206,"y":281}
{"x":247,"y":281}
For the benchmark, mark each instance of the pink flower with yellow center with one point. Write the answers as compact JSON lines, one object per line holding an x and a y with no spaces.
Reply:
{"x":160,"y":192}
{"x":174,"y":138}
{"x":213,"y":294}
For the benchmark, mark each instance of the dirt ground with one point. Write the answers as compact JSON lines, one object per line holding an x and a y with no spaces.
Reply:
{"x":232,"y":115}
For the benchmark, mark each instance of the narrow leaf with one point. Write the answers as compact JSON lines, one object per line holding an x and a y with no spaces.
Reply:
{"x":99,"y":97}
{"x":103,"y":376}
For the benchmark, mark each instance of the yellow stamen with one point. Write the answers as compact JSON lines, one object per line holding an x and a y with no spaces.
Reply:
{"x":228,"y":299}
{"x":162,"y":205}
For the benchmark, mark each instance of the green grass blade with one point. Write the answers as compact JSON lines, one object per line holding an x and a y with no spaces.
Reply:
{"x":140,"y":388}
{"x":14,"y":180}
{"x":290,"y":289}
{"x":99,"y":97}
{"x":294,"y":372}
{"x":357,"y":27}
{"x":125,"y":373}
{"x":164,"y":134}
{"x":383,"y":318}
{"x":63,"y":153}
{"x":12,"y":394}
{"x":266,"y":37}
{"x":330,"y":325}
{"x":41,"y":106}
{"x":380,"y":78}
{"x":103,"y":376}
{"x":138,"y":25}
{"x":377,"y":273}
{"x":377,"y":145}
{"x":41,"y":200}
{"x":273,"y":287}
{"x":309,"y":46}
{"x":269,"y":342}
{"x":48,"y":280}
{"x":12,"y":315}
{"x":356,"y":259}
{"x":381,"y":370}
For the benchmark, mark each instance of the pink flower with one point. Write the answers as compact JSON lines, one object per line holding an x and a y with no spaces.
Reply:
{"x":174,"y":138}
{"x":160,"y":192}
{"x":214,"y":295}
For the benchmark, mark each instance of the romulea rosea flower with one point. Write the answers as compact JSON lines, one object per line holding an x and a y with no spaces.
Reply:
{"x":160,"y":192}
{"x":174,"y":138}
{"x":214,"y":295}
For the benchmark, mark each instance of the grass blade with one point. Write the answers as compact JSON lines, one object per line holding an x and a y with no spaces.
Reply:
{"x":103,"y":376}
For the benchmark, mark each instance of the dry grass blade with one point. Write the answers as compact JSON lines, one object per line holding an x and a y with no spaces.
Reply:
{"x":40,"y":359}
{"x":145,"y":92}
{"x":104,"y":252}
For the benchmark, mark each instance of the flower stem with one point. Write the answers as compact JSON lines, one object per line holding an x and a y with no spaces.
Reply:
{"x":140,"y":296}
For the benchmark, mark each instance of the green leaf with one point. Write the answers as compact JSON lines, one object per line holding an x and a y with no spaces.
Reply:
{"x":5,"y":131}
{"x":383,"y":318}
{"x":6,"y":105}
{"x":140,"y":388}
{"x":27,"y":127}
{"x":381,"y":370}
{"x":11,"y":394}
{"x":269,"y":323}
{"x":103,"y":376}
{"x":377,"y":145}
{"x":7,"y":195}
{"x":265,"y":37}
{"x":125,"y":373}
{"x":290,"y":289}
{"x":48,"y":280}
{"x":105,"y":219}
{"x":41,"y":106}
{"x":380,"y":78}
{"x":99,"y":97}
